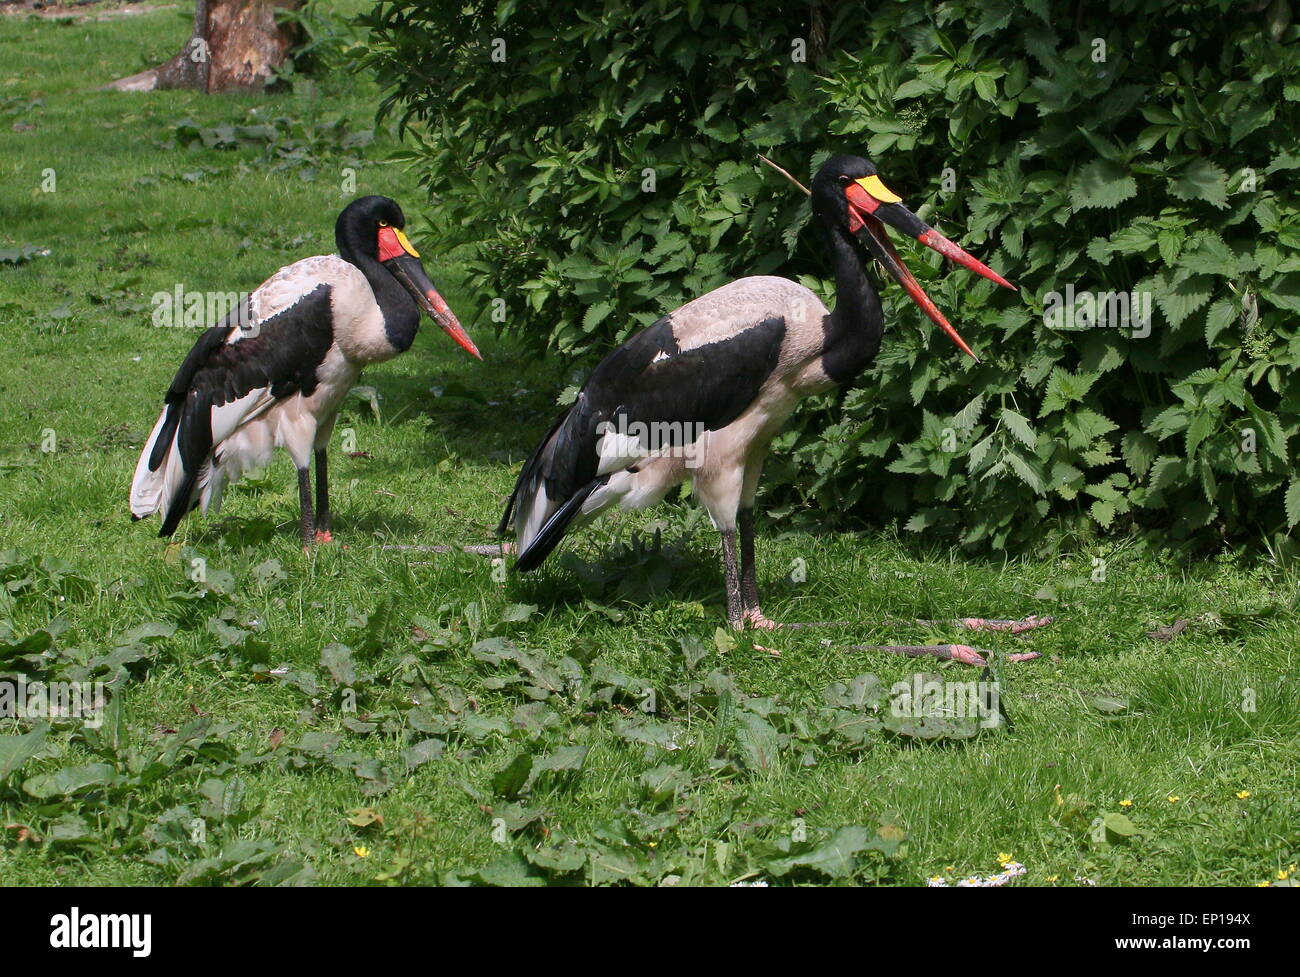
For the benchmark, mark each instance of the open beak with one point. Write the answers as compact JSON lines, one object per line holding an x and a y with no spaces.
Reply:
{"x":408,"y":270}
{"x":871,"y":206}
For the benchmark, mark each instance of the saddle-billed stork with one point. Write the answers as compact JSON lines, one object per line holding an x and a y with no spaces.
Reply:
{"x":701,"y":393}
{"x":274,"y":371}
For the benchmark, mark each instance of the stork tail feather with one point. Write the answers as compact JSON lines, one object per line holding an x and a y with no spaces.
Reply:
{"x":159,"y":474}
{"x":532,"y":552}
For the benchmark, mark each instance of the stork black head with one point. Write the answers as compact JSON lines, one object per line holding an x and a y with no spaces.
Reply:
{"x":848,"y":193}
{"x":370,"y":230}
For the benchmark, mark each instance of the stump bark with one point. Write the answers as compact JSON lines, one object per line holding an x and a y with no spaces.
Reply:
{"x":235,"y":47}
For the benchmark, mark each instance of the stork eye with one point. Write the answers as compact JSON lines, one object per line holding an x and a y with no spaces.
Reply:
{"x":383,"y":223}
{"x":844,"y":179}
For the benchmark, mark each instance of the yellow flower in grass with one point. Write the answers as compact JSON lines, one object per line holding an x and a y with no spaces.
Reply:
{"x":1052,"y":878}
{"x":1004,"y":857}
{"x":1242,"y":795}
{"x":1173,"y":798}
{"x":1125,"y":803}
{"x":361,"y":851}
{"x":1283,"y":874}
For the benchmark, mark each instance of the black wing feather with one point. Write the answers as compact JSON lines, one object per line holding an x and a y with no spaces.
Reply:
{"x":710,"y":385}
{"x":281,"y":352}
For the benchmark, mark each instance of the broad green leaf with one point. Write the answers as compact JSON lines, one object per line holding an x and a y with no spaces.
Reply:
{"x":1292,"y":503}
{"x":1201,"y":180}
{"x":1139,"y":451}
{"x":1101,"y":183}
{"x":1019,"y":427}
{"x":70,"y":780}
{"x":510,"y":780}
{"x":18,"y":749}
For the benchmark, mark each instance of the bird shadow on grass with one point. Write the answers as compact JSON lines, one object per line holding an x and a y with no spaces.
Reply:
{"x":253,"y":532}
{"x":490,"y":415}
{"x":636,"y":570}
{"x":373,"y":525}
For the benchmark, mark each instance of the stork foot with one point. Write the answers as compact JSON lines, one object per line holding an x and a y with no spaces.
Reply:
{"x":323,"y":536}
{"x":751,"y":619}
{"x":758,"y":621}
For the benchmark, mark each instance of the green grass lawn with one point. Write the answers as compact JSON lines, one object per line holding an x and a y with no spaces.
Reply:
{"x":376,"y":714}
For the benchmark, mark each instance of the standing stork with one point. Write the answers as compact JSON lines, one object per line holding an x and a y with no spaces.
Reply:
{"x":274,"y":371}
{"x":701,"y":393}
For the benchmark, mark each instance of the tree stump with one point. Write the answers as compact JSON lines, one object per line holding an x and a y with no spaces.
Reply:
{"x":236,"y":47}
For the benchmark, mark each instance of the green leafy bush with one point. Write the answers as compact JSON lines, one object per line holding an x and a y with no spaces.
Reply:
{"x":606,"y":171}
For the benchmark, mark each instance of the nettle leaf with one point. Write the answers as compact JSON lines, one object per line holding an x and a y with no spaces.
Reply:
{"x":965,"y":418}
{"x":595,"y":315}
{"x":1101,"y":183}
{"x":1248,"y":118}
{"x":1020,"y":428}
{"x":978,"y":453}
{"x":1103,"y":512}
{"x":1292,"y":503}
{"x":1201,"y":427}
{"x":1166,"y":471}
{"x":1218,"y":318}
{"x":1201,"y":180}
{"x":1179,"y":296}
{"x":1209,"y":255}
{"x":1084,"y":426}
{"x":1134,"y":239}
{"x":1169,"y":421}
{"x":1283,"y":293}
{"x":1028,"y":471}
{"x":1064,"y":387}
{"x":1139,"y":451}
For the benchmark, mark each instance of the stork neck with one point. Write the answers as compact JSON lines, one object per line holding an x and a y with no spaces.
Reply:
{"x":401,"y":314}
{"x":853,"y":329}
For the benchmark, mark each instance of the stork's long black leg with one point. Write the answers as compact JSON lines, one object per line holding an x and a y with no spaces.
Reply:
{"x":731,"y":572}
{"x":749,"y":570}
{"x":322,"y":497}
{"x":307,"y":519}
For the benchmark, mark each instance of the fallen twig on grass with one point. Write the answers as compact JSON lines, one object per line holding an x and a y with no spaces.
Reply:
{"x":968,"y":623}
{"x":478,"y":549}
{"x":997,"y":624}
{"x":1170,"y":632}
{"x":957,"y":653}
